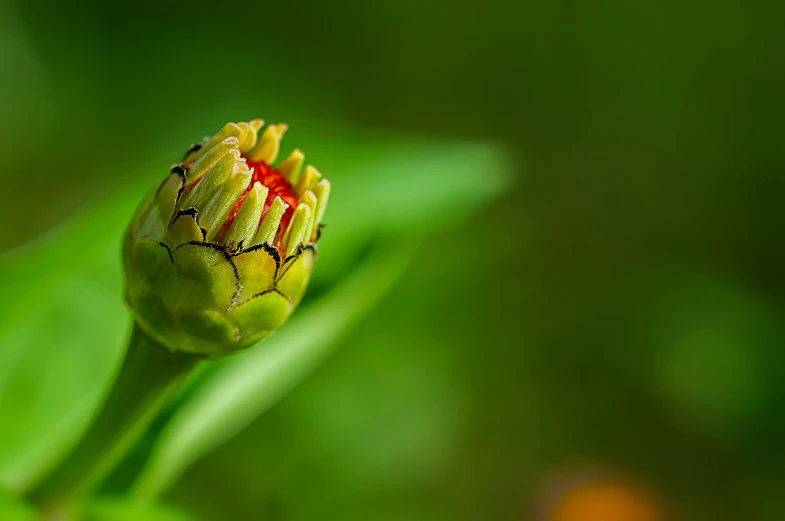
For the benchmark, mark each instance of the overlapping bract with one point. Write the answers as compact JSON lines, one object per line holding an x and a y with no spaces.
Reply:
{"x":216,"y":258}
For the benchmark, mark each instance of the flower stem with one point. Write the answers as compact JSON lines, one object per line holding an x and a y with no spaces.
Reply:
{"x":147,"y":377}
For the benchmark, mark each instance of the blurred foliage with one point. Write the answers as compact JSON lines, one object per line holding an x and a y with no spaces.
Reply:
{"x":14,"y":509}
{"x":70,"y":282}
{"x":621,"y":307}
{"x":121,"y":509}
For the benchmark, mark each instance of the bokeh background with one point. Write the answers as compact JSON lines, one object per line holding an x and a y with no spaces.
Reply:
{"x":612,"y":325}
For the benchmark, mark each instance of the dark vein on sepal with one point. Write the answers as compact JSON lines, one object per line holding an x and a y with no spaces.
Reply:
{"x":168,"y":250}
{"x":265,"y":292}
{"x":193,"y":148}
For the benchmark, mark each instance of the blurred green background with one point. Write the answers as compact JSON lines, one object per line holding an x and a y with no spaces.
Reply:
{"x":619,"y":310}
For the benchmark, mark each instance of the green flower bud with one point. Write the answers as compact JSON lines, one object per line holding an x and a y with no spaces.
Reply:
{"x":219,"y":255}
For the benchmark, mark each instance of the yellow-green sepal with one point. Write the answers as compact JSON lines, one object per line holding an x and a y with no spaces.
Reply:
{"x":210,"y":332}
{"x":154,"y":318}
{"x":258,"y":316}
{"x":295,"y":273}
{"x":160,"y":205}
{"x":256,"y":267}
{"x":185,"y":228}
{"x":206,"y":278}
{"x":152,"y":261}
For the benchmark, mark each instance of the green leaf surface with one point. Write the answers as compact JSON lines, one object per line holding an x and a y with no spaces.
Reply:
{"x":123,"y":509}
{"x":63,"y":325}
{"x":14,"y":509}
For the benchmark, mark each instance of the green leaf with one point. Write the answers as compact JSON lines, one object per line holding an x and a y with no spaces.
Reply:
{"x":63,"y":325}
{"x":14,"y":509}
{"x":409,"y":189}
{"x":62,"y":331}
{"x":123,"y":509}
{"x":57,"y":351}
{"x":247,"y":384}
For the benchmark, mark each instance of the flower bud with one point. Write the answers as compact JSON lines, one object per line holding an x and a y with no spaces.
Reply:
{"x":220,"y":253}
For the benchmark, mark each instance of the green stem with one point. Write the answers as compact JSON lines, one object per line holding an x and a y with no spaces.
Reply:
{"x":149,"y":374}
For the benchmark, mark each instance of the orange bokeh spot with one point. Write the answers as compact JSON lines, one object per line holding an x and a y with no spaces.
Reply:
{"x":605,"y":501}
